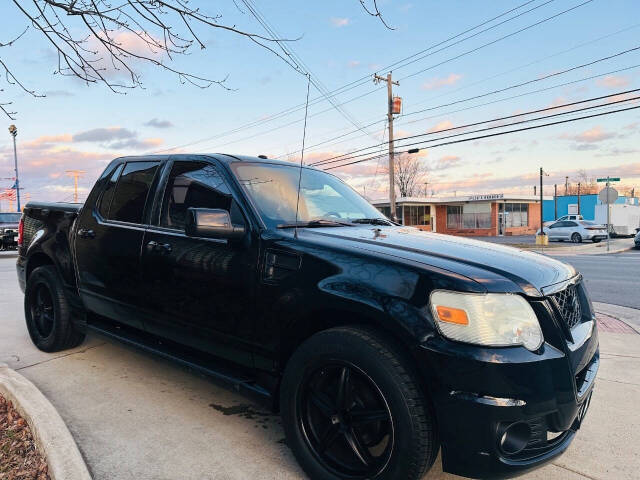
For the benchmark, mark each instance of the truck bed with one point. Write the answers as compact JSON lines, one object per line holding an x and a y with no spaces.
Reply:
{"x":54,"y":207}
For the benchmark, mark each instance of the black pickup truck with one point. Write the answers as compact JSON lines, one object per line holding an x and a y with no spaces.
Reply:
{"x":379,"y":344}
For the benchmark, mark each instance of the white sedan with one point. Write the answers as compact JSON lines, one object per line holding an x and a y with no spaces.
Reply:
{"x":575,"y":231}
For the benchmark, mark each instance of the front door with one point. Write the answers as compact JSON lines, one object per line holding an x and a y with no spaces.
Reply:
{"x":108,"y":241}
{"x":200,"y":291}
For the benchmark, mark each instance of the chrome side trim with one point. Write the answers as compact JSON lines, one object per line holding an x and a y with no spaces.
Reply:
{"x":580,"y":333}
{"x":557,"y":287}
{"x":488,"y":400}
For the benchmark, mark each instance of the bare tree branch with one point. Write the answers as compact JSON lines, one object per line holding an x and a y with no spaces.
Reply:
{"x":106,"y":41}
{"x":410,"y":173}
{"x":375,"y":12}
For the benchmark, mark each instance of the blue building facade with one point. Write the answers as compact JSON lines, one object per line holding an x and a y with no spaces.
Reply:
{"x":587,"y":206}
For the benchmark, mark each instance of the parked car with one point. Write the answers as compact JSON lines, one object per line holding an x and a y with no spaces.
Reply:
{"x":379,"y":344}
{"x":575,"y":231}
{"x":9,"y":222}
{"x":572,"y":217}
{"x":637,"y":238}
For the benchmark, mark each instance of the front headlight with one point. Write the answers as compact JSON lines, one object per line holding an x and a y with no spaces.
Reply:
{"x":493,"y":319}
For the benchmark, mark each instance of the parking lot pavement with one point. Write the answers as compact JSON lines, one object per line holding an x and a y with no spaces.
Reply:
{"x":136,"y":416}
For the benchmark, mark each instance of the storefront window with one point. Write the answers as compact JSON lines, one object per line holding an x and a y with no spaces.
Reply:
{"x":469,"y":216}
{"x":417,"y":215}
{"x":516,"y":214}
{"x":454,"y":216}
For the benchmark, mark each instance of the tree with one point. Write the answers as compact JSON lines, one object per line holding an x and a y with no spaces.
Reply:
{"x":410,"y":174}
{"x":588,"y":185}
{"x":93,"y":38}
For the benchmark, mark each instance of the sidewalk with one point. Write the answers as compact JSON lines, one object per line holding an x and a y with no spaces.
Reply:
{"x":135,"y":415}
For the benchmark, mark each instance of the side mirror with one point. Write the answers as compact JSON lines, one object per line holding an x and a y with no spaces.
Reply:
{"x":212,"y":223}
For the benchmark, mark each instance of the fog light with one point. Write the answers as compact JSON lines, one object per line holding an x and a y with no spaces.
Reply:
{"x":515,"y":437}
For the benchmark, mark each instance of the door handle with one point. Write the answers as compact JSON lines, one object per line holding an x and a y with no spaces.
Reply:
{"x":159,"y":247}
{"x":84,"y":233}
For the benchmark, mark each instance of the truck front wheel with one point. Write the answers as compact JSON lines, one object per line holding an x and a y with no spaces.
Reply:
{"x":47,"y":312}
{"x":352,"y":408}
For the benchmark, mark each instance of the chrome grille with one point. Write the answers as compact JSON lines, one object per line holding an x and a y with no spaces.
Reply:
{"x":568,"y":303}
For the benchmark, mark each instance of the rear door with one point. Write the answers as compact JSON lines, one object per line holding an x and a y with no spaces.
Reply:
{"x":200,"y":291}
{"x":109,"y":238}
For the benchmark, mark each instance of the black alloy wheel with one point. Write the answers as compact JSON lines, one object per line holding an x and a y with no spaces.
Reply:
{"x":47,"y":312}
{"x":353,"y":407}
{"x":42,"y":311}
{"x":346,"y":421}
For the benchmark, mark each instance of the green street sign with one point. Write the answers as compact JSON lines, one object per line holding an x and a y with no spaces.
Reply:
{"x":612,"y":179}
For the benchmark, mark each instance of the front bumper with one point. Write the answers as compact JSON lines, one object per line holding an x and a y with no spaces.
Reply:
{"x":478,"y":393}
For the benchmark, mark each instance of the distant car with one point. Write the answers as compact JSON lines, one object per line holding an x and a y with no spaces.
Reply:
{"x":575,"y":231}
{"x":637,"y":239}
{"x":9,"y":230}
{"x":573,"y":217}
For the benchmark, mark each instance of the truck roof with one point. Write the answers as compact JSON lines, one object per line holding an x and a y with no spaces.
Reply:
{"x":223,"y":157}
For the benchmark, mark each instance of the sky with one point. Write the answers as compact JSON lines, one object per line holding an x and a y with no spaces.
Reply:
{"x":79,"y":126}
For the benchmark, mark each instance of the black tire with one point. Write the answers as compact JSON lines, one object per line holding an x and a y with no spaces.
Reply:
{"x":379,"y":373}
{"x":576,"y":238}
{"x":48,"y":313}
{"x":596,"y":240}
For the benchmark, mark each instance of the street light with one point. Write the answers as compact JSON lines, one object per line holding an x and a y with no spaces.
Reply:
{"x":13,"y":131}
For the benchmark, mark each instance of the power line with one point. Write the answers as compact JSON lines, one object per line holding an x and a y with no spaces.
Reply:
{"x":329,"y":140}
{"x":415,"y":150}
{"x":499,"y":126}
{"x":356,"y":83}
{"x":477,"y":123}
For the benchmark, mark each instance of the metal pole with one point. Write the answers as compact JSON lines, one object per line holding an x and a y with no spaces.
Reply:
{"x":578,"y":198}
{"x":392,"y":172}
{"x":608,"y":215}
{"x":15,"y":160}
{"x":566,"y":186}
{"x":541,"y":205}
{"x":555,"y":201}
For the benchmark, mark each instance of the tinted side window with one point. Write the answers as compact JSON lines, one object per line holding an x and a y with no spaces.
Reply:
{"x":571,"y":224}
{"x":131,"y":192}
{"x":193,"y":184}
{"x":107,"y":194}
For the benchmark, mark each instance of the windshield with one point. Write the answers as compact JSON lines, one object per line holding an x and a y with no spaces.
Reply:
{"x":10,"y":217}
{"x":273,"y":189}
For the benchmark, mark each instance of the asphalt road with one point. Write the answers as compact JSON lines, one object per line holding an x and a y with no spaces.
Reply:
{"x":611,"y":278}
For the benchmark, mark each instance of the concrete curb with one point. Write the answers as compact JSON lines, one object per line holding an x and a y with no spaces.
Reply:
{"x":47,"y":427}
{"x":630,"y":316}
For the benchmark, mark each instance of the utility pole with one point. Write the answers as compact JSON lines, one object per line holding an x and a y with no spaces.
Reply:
{"x":13,"y":131}
{"x":541,"y":203}
{"x":566,"y":186}
{"x":392,"y":185}
{"x":555,"y":201}
{"x":578,"y":198}
{"x":75,"y":174}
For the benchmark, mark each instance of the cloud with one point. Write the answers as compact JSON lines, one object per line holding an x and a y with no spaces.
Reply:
{"x":46,"y":140}
{"x":156,"y":123}
{"x":439,"y":82}
{"x":595,"y":134}
{"x":584,"y":147}
{"x":136,"y":144}
{"x":443,"y":125}
{"x":104,"y":134}
{"x":613,"y":81}
{"x":339,"y":22}
{"x":353,"y":63}
{"x":116,"y":138}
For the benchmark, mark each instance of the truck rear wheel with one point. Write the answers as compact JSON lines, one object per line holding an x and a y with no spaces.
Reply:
{"x":47,"y":312}
{"x":352,"y":408}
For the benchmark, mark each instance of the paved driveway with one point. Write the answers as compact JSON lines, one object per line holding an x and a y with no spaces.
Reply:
{"x":135,"y":416}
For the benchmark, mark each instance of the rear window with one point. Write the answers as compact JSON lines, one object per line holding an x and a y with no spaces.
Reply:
{"x":131,"y":192}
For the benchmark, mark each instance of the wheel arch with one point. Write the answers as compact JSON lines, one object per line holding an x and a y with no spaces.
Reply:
{"x":36,"y":260}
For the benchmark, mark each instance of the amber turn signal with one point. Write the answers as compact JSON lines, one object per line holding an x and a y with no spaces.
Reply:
{"x":452,"y":315}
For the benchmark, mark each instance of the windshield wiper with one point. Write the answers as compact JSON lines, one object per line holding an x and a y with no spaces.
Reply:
{"x":373,"y":221}
{"x":317,"y":224}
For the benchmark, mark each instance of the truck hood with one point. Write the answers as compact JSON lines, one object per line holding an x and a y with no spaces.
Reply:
{"x":497,"y":268}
